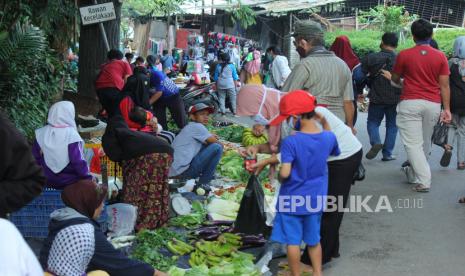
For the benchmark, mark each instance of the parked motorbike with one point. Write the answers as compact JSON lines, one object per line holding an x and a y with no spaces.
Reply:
{"x":200,"y":94}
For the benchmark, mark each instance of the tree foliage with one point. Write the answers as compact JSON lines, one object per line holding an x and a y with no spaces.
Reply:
{"x":387,"y":18}
{"x":242,"y":14}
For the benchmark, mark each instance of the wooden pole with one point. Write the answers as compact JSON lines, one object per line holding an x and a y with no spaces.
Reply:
{"x":103,"y":33}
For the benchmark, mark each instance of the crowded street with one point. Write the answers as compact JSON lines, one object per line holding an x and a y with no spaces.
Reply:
{"x":234,"y":137}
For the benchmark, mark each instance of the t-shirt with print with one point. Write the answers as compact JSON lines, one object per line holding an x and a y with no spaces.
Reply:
{"x":421,"y":67}
{"x":187,"y":145}
{"x":308,"y":180}
{"x":112,"y":74}
{"x":161,"y":82}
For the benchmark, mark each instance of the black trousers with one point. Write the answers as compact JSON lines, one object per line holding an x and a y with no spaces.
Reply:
{"x":110,"y":98}
{"x":176,"y":108}
{"x":340,"y":180}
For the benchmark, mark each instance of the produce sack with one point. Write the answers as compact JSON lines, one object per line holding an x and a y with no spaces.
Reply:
{"x":121,"y":219}
{"x":440,"y":134}
{"x":251,"y":218}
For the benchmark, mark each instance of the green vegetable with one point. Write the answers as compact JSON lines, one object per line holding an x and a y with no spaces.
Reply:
{"x":147,"y":244}
{"x":232,"y":133}
{"x":223,"y":269}
{"x":232,"y":166}
{"x":201,"y":270}
{"x":193,"y":219}
{"x":176,"y":271}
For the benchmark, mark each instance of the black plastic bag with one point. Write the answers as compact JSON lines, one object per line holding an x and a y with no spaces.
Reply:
{"x":359,"y":174}
{"x":440,"y":134}
{"x":251,"y":218}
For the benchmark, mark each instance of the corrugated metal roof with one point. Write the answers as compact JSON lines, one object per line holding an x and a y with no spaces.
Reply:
{"x":266,"y":6}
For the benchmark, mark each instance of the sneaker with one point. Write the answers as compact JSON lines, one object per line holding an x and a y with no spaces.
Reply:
{"x":375,"y":149}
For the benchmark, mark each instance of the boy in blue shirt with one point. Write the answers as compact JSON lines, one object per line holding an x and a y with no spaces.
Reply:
{"x":304,"y":177}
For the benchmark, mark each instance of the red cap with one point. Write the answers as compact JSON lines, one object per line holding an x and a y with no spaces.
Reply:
{"x":294,"y":103}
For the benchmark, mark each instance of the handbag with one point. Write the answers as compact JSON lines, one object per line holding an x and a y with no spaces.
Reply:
{"x":359,"y":174}
{"x":440,"y":133}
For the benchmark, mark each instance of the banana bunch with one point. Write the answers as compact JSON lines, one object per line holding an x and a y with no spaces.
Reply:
{"x":178,"y":247}
{"x":213,"y":253}
{"x":249,"y":139}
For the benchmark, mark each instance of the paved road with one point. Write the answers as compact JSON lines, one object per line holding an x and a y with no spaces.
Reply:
{"x":414,"y":241}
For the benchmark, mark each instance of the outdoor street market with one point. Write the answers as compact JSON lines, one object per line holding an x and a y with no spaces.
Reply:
{"x":232,"y":137}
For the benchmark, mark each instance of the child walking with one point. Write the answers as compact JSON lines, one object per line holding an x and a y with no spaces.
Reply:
{"x":304,"y":177}
{"x":226,"y":81}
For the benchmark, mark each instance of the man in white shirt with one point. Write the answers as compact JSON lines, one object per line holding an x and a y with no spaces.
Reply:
{"x":279,"y":66}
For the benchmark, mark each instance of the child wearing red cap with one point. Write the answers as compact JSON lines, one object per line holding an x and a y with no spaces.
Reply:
{"x":304,"y":177}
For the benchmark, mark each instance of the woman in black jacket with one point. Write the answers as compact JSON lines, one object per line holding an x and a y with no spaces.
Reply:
{"x":457,"y":106}
{"x":75,"y":244}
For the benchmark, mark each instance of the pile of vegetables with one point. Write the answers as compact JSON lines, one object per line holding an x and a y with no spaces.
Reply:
{"x":249,"y":139}
{"x":192,"y":220}
{"x":232,"y":133}
{"x":220,"y":209}
{"x":147,"y":244}
{"x":232,"y":166}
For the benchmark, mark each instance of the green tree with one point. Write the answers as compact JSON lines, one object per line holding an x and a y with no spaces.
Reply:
{"x":387,"y":18}
{"x":242,"y":14}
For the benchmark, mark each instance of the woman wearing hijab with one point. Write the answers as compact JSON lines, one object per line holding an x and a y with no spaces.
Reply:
{"x":251,"y":71}
{"x":342,"y":48}
{"x":75,"y":243}
{"x":145,"y":161}
{"x":262,"y":105}
{"x":58,"y":148}
{"x":135,"y":105}
{"x":457,"y":106}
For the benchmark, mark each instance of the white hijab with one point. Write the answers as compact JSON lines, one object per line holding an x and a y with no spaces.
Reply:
{"x":55,"y":137}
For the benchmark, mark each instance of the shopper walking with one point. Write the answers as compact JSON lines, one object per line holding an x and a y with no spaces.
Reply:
{"x":383,"y":98}
{"x":425,"y":72}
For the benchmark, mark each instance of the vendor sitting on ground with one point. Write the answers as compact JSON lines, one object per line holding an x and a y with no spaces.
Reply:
{"x":75,"y":243}
{"x":58,"y":148}
{"x":254,"y":136}
{"x":197,"y":152}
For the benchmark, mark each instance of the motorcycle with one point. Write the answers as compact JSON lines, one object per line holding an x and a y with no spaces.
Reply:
{"x":195,"y":94}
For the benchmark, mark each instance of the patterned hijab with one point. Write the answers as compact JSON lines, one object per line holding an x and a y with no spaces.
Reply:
{"x":459,"y":54}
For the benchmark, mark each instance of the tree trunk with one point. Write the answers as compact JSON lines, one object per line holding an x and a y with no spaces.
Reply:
{"x":92,"y":52}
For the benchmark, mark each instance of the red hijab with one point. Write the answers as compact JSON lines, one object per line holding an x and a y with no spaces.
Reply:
{"x":341,"y":47}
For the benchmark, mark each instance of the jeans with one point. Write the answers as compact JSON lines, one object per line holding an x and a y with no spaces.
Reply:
{"x":457,"y":131}
{"x":176,"y":108}
{"x":232,"y":97}
{"x":204,"y":164}
{"x":376,"y":113}
{"x":416,"y":120}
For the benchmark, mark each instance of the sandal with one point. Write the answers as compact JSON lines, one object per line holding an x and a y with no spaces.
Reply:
{"x":462,"y":200}
{"x":420,"y":188}
{"x":461,"y":166}
{"x":445,"y":160}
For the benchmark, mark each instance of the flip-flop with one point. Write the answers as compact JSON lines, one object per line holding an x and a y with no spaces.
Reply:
{"x":461,"y":166}
{"x":375,"y":149}
{"x":462,"y":200}
{"x":284,"y":265}
{"x":420,"y":188}
{"x":445,"y":160}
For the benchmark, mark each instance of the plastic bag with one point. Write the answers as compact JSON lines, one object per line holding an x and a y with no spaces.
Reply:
{"x":270,"y":203}
{"x":121,"y":219}
{"x":359,"y":174}
{"x":440,"y":134}
{"x":251,"y":218}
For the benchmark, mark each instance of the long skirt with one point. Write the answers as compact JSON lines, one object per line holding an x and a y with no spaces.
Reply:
{"x":340,"y":180}
{"x":146,"y":186}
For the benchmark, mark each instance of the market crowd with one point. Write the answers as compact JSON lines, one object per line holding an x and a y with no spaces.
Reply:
{"x":309,"y":114}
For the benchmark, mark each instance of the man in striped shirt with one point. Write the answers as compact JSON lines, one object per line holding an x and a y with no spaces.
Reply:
{"x":321,"y":73}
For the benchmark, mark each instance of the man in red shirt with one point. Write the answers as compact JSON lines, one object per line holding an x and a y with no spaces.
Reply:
{"x":424,"y":74}
{"x":111,"y":80}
